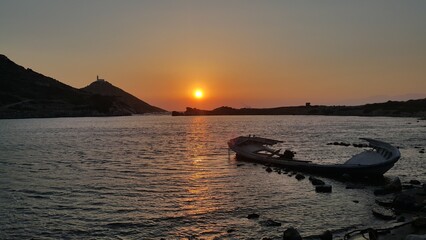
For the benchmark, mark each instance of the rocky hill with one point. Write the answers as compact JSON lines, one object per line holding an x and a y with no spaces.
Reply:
{"x":25,"y":93}
{"x":134,"y":104}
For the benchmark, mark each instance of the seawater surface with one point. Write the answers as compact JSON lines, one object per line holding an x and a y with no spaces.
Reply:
{"x":153,"y":177}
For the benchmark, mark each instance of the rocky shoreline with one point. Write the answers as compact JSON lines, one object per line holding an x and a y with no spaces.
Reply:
{"x":402,"y":206}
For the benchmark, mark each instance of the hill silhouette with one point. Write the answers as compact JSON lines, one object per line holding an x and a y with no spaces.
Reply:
{"x":135,"y":105}
{"x":25,"y":93}
{"x":410,"y":108}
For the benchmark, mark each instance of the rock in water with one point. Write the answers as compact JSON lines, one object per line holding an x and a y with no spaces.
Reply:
{"x":323,"y":188}
{"x":415,"y":182}
{"x":253,"y":216}
{"x":268,"y":169}
{"x":291,"y":234}
{"x":383,"y":213}
{"x":300,"y":176}
{"x":405,"y":201}
{"x":270,"y":223}
{"x":316,"y":181}
{"x":392,"y":187}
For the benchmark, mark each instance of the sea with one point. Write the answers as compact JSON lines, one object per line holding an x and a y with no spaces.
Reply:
{"x":164,"y":177}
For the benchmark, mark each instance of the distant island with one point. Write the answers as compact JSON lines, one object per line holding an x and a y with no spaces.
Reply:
{"x":411,"y":108}
{"x":25,"y":93}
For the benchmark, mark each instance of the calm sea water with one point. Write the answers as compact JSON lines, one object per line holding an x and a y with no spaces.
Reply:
{"x":152,"y":177}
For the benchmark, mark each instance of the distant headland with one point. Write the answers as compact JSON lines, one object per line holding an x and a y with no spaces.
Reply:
{"x":410,"y":108}
{"x":25,"y":93}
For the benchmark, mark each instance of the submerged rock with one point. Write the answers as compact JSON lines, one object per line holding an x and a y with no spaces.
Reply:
{"x":400,"y":219}
{"x":316,"y":181}
{"x":291,"y":234}
{"x":270,"y":223}
{"x":253,"y":216}
{"x":407,"y":186}
{"x":415,"y":182}
{"x":384,"y":202}
{"x":354,"y":186}
{"x":383,"y":213}
{"x":326,"y":188}
{"x":415,"y":237}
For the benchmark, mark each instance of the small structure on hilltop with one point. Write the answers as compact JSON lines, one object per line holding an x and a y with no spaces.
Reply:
{"x":99,"y":79}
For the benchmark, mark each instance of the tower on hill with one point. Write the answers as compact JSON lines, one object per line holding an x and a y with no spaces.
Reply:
{"x":99,"y":79}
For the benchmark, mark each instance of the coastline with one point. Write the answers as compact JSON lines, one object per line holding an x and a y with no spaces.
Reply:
{"x":411,"y":108}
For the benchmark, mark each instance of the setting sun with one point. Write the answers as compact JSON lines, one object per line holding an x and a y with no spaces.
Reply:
{"x":198,"y":94}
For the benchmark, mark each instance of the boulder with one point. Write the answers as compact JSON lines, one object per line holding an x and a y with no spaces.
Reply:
{"x":326,"y":188}
{"x":291,"y":234}
{"x":405,"y":201}
{"x":392,"y":187}
{"x":327,"y":235}
{"x":268,"y":169}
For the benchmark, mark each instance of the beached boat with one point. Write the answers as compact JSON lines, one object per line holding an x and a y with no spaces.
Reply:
{"x":371,"y":163}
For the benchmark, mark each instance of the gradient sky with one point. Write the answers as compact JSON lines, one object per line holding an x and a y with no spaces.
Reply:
{"x":242,"y":53}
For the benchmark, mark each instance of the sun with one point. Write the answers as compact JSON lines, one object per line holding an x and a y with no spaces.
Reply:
{"x":198,"y":94}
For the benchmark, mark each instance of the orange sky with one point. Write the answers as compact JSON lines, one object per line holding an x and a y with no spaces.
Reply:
{"x":241,"y":53}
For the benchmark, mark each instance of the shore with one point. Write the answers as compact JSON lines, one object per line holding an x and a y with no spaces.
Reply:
{"x":402,"y":207}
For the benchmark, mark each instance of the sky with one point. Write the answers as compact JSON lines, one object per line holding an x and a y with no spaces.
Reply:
{"x":239,"y":53}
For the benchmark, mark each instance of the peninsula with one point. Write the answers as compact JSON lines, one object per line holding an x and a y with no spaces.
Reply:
{"x":25,"y":93}
{"x":411,"y":108}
